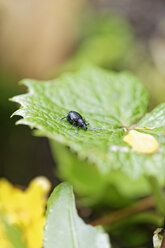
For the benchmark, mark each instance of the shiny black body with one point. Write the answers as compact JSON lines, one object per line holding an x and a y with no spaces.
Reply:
{"x":76,"y":119}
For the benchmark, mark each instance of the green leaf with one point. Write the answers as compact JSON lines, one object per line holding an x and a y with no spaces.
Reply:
{"x":93,"y":186}
{"x":154,"y":120}
{"x":108,"y":101}
{"x":64,"y":228}
{"x":14,"y":235}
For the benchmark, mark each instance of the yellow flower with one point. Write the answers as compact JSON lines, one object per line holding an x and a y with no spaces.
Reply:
{"x":24,"y":209}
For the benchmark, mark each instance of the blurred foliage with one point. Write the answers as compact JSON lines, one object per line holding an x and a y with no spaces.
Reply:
{"x":12,"y":238}
{"x":93,"y":187}
{"x":104,"y":41}
{"x":110,"y":41}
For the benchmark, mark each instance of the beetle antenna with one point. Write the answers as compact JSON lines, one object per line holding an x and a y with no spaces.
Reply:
{"x":95,"y":128}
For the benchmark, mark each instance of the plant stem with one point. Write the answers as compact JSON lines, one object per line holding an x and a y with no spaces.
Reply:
{"x":140,"y":206}
{"x":158,"y":194}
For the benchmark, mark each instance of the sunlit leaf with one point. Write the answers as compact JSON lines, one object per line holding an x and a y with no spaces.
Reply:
{"x":64,"y":228}
{"x":155,"y":120}
{"x":107,"y":100}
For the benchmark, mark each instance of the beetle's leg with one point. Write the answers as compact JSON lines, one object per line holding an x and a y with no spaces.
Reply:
{"x":77,"y":130}
{"x":71,"y":127}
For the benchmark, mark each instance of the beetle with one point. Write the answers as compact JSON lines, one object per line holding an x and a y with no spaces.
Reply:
{"x":76,"y":119}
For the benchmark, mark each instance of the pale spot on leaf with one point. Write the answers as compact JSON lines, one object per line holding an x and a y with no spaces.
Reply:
{"x":141,"y":142}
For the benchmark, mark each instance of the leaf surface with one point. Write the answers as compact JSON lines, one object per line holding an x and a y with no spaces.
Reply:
{"x":107,"y":100}
{"x":64,"y":228}
{"x":154,"y":120}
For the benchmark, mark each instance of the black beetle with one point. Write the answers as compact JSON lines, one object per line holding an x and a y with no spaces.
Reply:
{"x":76,"y":119}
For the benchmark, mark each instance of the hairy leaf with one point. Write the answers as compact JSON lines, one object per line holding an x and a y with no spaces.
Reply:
{"x":154,"y":120}
{"x":108,"y":101}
